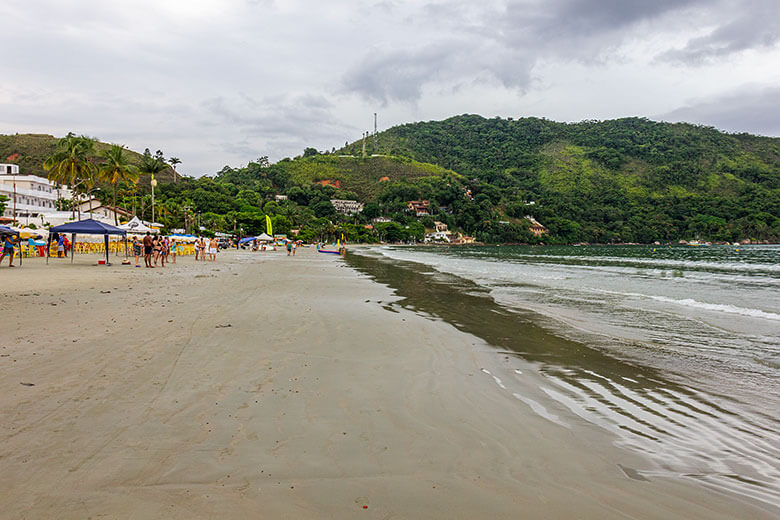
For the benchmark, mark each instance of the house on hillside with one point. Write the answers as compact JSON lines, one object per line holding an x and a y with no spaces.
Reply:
{"x":347,"y":207}
{"x":440,"y":226}
{"x":279,"y":198}
{"x":384,"y":179}
{"x":437,"y":236}
{"x":381,"y":220}
{"x":420,"y":208}
{"x":330,"y":182}
{"x":104,"y":212}
{"x":535,"y":227}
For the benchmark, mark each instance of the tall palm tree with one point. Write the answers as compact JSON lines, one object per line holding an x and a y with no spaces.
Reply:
{"x":70,"y":164}
{"x":116,"y":168}
{"x":150,"y":166}
{"x":174,"y":161}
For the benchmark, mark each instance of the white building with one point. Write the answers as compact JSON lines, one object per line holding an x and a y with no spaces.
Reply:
{"x":347,"y":207}
{"x":438,"y":236}
{"x":104,"y":212}
{"x":30,"y":196}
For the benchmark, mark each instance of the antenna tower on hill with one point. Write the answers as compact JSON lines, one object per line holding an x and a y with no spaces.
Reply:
{"x":376,"y":150}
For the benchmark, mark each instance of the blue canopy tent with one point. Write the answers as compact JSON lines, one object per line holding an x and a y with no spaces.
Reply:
{"x":86,"y":227}
{"x":247,"y":239}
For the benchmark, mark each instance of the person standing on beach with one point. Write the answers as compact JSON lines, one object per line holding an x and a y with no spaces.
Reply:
{"x":159,"y":252}
{"x":148,"y":247}
{"x":289,"y":247}
{"x":137,"y":251}
{"x":213,"y":245}
{"x":8,"y":249}
{"x":294,"y":247}
{"x":155,"y":250}
{"x":166,"y":245}
{"x":172,"y":247}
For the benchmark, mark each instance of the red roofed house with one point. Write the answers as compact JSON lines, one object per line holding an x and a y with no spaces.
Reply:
{"x":420,"y":208}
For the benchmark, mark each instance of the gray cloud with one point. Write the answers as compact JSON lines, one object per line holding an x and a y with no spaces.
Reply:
{"x":223,"y":82}
{"x":751,"y":107}
{"x":389,"y":75}
{"x":501,"y":44}
{"x":508,"y":39}
{"x":751,"y":25}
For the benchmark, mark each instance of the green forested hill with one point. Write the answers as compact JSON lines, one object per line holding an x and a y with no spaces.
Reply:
{"x":29,"y":151}
{"x":622,"y":180}
{"x":626,"y":180}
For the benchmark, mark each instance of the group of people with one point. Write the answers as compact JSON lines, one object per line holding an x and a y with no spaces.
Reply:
{"x":9,"y":243}
{"x":157,"y":251}
{"x":63,"y":245}
{"x":203,"y":246}
{"x":154,"y":250}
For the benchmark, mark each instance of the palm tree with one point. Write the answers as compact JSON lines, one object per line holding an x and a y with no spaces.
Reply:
{"x":116,"y":168}
{"x":150,"y":166}
{"x":70,"y":164}
{"x":174,"y":161}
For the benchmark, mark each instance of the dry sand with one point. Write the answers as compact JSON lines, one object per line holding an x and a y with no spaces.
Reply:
{"x":262,"y":386}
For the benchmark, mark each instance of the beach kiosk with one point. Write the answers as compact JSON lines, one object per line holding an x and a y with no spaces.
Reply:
{"x":86,"y":227}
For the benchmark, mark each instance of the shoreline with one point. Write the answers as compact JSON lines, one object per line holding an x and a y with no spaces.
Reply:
{"x":263,"y":385}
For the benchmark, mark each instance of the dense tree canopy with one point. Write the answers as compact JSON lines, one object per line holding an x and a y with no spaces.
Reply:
{"x":625,"y":180}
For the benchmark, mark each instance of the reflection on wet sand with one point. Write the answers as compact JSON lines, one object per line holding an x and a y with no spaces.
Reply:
{"x":686,"y":432}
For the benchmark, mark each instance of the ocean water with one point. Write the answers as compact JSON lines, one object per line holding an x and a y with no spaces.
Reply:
{"x":674,"y":350}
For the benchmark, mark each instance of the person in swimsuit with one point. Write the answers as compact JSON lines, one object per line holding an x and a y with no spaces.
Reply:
{"x":148,"y":249}
{"x":172,"y":246}
{"x":213,"y":245}
{"x":137,"y":250}
{"x":159,"y":252}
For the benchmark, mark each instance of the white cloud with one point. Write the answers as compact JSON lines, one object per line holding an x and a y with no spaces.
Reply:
{"x":223,"y":82}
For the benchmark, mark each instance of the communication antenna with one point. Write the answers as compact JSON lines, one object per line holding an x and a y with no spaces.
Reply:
{"x":376,"y":150}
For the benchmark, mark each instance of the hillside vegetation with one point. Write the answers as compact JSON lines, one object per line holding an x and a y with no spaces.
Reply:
{"x":30,"y":151}
{"x":621,"y":180}
{"x":625,"y":180}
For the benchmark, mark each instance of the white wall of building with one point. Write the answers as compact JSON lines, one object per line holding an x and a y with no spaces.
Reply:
{"x":33,"y":195}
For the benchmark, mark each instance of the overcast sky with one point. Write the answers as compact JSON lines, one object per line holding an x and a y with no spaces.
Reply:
{"x":223,"y":82}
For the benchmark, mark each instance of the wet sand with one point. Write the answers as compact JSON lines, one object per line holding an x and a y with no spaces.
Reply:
{"x":263,"y":386}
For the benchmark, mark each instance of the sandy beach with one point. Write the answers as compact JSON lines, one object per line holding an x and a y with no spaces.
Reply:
{"x":267,"y":386}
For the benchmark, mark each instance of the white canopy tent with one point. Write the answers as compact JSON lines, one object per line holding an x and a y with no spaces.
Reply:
{"x":136,"y":226}
{"x":265,"y":238}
